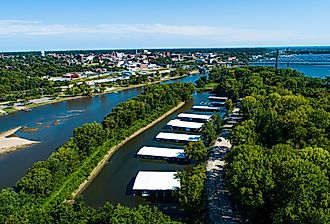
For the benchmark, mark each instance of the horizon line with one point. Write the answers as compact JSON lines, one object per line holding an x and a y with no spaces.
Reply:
{"x":159,"y":48}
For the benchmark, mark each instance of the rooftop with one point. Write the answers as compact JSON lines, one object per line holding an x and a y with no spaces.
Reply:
{"x":185,"y":124}
{"x":205,"y":108}
{"x":153,"y":180}
{"x":236,"y":110}
{"x":227,"y":126}
{"x":180,"y":137}
{"x":161,"y":152}
{"x":222,"y":98}
{"x":195,"y":116}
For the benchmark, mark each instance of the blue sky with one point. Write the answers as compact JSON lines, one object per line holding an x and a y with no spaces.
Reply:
{"x":110,"y":24}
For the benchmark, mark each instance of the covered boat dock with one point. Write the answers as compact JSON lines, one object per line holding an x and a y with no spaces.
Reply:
{"x":155,"y":183}
{"x":160,"y":153}
{"x":177,"y":124}
{"x":206,"y":108}
{"x":194,"y":117}
{"x":178,"y":138}
{"x":218,"y":98}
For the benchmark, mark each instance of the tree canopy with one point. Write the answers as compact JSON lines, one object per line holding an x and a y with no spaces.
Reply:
{"x":278,"y":169}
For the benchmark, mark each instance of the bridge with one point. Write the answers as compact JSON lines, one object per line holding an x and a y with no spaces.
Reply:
{"x":299,"y":59}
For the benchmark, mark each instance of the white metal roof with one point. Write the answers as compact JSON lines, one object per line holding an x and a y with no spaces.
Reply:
{"x":195,"y":116}
{"x":185,"y":124}
{"x":227,"y":126}
{"x":175,"y":136}
{"x":161,"y":152}
{"x":205,"y":108}
{"x":217,"y":98}
{"x":153,"y":180}
{"x":236,"y":110}
{"x":234,"y":118}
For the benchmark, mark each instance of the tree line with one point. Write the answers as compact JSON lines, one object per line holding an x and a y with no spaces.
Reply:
{"x":39,"y":195}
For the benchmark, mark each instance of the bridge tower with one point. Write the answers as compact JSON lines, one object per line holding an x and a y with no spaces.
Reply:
{"x":277,"y":56}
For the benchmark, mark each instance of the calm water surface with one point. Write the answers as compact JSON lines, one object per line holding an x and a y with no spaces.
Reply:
{"x":316,"y":71}
{"x":115,"y":179}
{"x":70,"y":114}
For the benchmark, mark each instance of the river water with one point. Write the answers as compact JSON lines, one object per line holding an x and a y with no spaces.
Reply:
{"x":316,"y":71}
{"x":55,"y":123}
{"x":114,"y":181}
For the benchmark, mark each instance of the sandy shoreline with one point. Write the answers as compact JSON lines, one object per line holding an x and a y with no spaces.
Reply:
{"x":112,"y":150}
{"x":10,"y":144}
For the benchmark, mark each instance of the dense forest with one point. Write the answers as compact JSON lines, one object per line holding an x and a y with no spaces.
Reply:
{"x":39,"y":196}
{"x":278,"y":169}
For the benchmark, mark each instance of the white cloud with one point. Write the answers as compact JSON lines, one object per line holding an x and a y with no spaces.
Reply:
{"x":214,"y":33}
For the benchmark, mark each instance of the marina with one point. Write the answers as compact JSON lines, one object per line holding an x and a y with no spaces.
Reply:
{"x":126,"y":163}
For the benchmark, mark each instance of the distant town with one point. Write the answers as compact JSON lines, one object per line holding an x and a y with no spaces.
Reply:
{"x":35,"y":78}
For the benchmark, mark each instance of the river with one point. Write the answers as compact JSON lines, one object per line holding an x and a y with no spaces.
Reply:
{"x":55,"y":123}
{"x":316,"y":71}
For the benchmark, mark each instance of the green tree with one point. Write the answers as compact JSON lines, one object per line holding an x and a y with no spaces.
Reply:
{"x":217,"y":122}
{"x":195,"y":151}
{"x":244,"y":133}
{"x":88,"y":136}
{"x":229,"y":105}
{"x":192,"y":191}
{"x":209,"y":133}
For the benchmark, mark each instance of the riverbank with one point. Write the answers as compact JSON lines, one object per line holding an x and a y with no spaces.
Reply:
{"x":114,"y":89}
{"x":10,"y":144}
{"x":112,"y":150}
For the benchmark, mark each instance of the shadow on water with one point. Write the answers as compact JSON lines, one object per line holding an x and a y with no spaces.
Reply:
{"x":114,"y":183}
